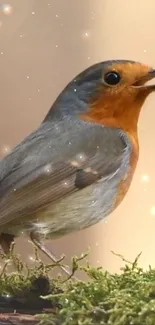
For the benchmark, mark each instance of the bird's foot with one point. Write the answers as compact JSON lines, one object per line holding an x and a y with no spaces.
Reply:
{"x":36,"y":241}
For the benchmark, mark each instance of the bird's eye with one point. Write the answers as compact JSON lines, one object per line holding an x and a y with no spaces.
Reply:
{"x":112,"y":78}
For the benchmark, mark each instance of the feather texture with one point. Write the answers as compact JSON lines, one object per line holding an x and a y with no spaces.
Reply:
{"x":58,"y":159}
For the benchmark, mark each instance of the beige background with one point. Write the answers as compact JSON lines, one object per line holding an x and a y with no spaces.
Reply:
{"x":43,"y":45}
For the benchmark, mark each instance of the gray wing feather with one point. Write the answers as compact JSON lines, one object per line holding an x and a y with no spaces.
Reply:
{"x":54,"y":161}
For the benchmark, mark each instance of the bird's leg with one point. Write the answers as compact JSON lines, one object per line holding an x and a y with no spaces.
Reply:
{"x":7,"y":242}
{"x":7,"y":245}
{"x":35,"y":238}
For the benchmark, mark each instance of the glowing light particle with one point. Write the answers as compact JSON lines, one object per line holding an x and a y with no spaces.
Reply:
{"x":6,"y":9}
{"x":152,"y":210}
{"x":86,"y":35}
{"x":6,"y":150}
{"x":145,"y":178}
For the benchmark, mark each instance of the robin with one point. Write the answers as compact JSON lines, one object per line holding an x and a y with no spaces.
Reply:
{"x":76,"y":168}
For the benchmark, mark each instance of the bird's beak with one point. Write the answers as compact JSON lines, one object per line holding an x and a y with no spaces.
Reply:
{"x":142,"y":82}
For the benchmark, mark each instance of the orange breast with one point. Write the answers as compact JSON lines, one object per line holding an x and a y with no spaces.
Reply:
{"x":126,"y":181}
{"x":130,"y":129}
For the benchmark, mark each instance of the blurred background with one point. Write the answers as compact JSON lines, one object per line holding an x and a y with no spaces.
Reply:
{"x":43,"y":45}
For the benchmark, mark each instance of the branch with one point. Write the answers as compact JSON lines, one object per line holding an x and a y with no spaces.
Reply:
{"x":18,"y":319}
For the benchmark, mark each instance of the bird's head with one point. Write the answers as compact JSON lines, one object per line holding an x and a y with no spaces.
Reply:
{"x":113,"y":89}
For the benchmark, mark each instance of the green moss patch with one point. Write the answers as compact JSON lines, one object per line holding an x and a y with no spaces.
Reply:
{"x":114,"y":299}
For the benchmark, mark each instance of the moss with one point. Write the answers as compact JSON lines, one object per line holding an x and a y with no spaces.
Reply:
{"x":114,"y":299}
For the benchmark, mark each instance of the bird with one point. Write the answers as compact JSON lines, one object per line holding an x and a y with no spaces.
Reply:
{"x":77,"y":166}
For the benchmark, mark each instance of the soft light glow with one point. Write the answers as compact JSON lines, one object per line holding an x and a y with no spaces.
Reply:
{"x":152,"y":210}
{"x":145,"y":178}
{"x":86,"y":34}
{"x":81,"y":157}
{"x":6,"y":150}
{"x":7,"y":9}
{"x":48,"y":168}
